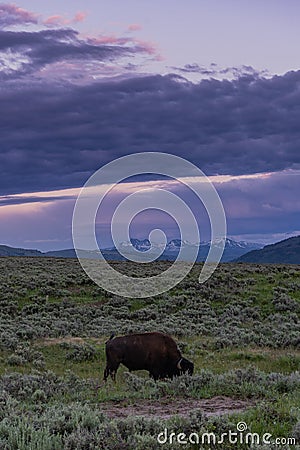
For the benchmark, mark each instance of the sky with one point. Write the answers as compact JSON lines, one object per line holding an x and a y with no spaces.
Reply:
{"x":83,"y":83}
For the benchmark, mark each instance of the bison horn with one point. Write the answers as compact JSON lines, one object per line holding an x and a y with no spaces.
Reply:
{"x":179,"y":364}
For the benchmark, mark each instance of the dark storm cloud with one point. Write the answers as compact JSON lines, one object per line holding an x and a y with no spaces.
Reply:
{"x":213,"y":70}
{"x":27,"y":52}
{"x":55,"y":135}
{"x":266,"y":205}
{"x":263,"y":196}
{"x":21,"y":200}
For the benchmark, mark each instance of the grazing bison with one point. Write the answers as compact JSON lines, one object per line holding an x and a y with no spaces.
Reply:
{"x":156,"y":352}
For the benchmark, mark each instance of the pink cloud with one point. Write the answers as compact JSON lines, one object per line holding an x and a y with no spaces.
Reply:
{"x":109,"y":39}
{"x":79,"y":17}
{"x":59,"y":20}
{"x":134,"y":27}
{"x":11,"y":14}
{"x":145,"y":46}
{"x":149,"y":47}
{"x":56,"y":20}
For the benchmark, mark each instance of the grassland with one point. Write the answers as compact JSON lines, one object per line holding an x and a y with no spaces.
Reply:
{"x":241,"y":329}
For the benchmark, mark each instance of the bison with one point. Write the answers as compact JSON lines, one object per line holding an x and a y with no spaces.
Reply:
{"x":155,"y":352}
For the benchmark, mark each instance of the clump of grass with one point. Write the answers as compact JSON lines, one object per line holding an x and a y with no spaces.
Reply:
{"x":241,"y":329}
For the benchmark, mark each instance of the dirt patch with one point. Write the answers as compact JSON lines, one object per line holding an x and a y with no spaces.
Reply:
{"x":69,"y":340}
{"x":166,"y":408}
{"x":55,"y":341}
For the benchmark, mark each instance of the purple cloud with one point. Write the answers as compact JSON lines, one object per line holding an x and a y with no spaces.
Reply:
{"x":61,"y":52}
{"x":56,"y":134}
{"x":257,"y":206}
{"x":213,"y":70}
{"x":28,"y":52}
{"x":13,"y":15}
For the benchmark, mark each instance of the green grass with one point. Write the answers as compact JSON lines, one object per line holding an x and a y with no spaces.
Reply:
{"x":273,"y":417}
{"x":218,"y":361}
{"x":274,"y":412}
{"x":261,"y":291}
{"x":264,"y":359}
{"x":206,"y":320}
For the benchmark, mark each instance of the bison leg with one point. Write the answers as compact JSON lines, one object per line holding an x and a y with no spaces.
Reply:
{"x":106,"y":373}
{"x":155,"y":374}
{"x":111,"y":370}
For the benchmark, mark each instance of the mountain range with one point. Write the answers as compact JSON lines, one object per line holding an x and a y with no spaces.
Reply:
{"x":285,"y":252}
{"x":232,"y":250}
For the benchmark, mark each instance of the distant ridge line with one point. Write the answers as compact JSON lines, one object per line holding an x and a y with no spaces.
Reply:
{"x":282,"y":252}
{"x":286,"y":251}
{"x":233,"y":249}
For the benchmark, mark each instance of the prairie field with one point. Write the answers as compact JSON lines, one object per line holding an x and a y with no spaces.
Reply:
{"x":241,"y":329}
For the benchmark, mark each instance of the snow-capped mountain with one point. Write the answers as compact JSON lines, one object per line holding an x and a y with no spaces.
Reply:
{"x":175,"y":245}
{"x":142,"y":246}
{"x":232,"y":250}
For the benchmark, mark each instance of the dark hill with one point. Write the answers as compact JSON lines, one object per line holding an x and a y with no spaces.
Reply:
{"x":283,"y":252}
{"x":68,"y":253}
{"x":5,"y":250}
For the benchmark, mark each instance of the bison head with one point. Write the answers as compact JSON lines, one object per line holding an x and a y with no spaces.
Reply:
{"x":184,"y":365}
